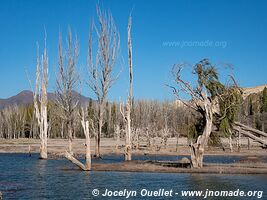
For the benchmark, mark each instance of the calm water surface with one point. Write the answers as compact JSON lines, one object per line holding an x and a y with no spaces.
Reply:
{"x":23,"y":177}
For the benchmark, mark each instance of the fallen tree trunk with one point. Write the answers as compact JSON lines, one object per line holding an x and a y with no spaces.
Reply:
{"x":75,"y":161}
{"x":247,"y":128}
{"x":251,"y":136}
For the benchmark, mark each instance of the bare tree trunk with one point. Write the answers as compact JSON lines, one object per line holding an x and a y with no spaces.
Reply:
{"x":101,"y":76}
{"x":230,"y":143}
{"x":67,"y":80}
{"x":40,"y":96}
{"x":85,"y":125}
{"x":128,"y":146}
{"x":75,"y":161}
{"x":69,"y":137}
{"x":127,"y":124}
{"x":177,"y":141}
{"x":62,"y":129}
{"x":99,"y":133}
{"x":15,"y":130}
{"x":88,"y":153}
{"x":31,"y":131}
{"x":117,"y":133}
{"x":127,"y":112}
{"x":138,"y":139}
{"x":165,"y":132}
{"x":238,"y":141}
{"x":197,"y":149}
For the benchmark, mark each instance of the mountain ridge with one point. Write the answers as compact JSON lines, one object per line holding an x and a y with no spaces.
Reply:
{"x":25,"y":97}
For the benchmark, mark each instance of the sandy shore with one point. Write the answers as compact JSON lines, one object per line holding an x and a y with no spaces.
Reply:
{"x":108,"y":146}
{"x":145,"y":166}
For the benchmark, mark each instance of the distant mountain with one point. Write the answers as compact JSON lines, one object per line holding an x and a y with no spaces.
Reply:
{"x":26,"y":97}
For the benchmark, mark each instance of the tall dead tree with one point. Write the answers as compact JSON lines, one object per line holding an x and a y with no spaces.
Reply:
{"x":210,"y":98}
{"x":40,"y":101}
{"x":126,"y":112}
{"x":101,"y":76}
{"x":66,"y":82}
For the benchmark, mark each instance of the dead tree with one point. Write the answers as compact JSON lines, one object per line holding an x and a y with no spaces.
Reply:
{"x":86,"y":130}
{"x":135,"y":138}
{"x":101,"y":77}
{"x":230,"y":143}
{"x":126,"y":112}
{"x":165,"y":131}
{"x":117,"y":135}
{"x":202,"y":104}
{"x":66,"y":82}
{"x":40,"y":101}
{"x":208,"y":99}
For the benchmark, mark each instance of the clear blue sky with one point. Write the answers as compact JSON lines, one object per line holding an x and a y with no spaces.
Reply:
{"x":236,"y":32}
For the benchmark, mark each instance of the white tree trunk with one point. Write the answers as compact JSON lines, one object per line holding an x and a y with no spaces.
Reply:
{"x":75,"y":161}
{"x":198,"y":148}
{"x":117,"y":134}
{"x":69,"y":137}
{"x":40,"y":97}
{"x":99,"y":133}
{"x":177,"y":141}
{"x":85,"y":125}
{"x":62,"y":130}
{"x":128,"y":145}
{"x":230,"y":144}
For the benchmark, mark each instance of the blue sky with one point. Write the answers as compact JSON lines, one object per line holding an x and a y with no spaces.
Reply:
{"x":164,"y":32}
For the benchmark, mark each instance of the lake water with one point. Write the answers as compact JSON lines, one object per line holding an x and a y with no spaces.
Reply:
{"x":24,"y":177}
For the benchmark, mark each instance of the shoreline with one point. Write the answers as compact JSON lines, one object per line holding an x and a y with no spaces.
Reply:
{"x":254,"y":159}
{"x":59,"y":146}
{"x":146,"y":167}
{"x":52,"y":155}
